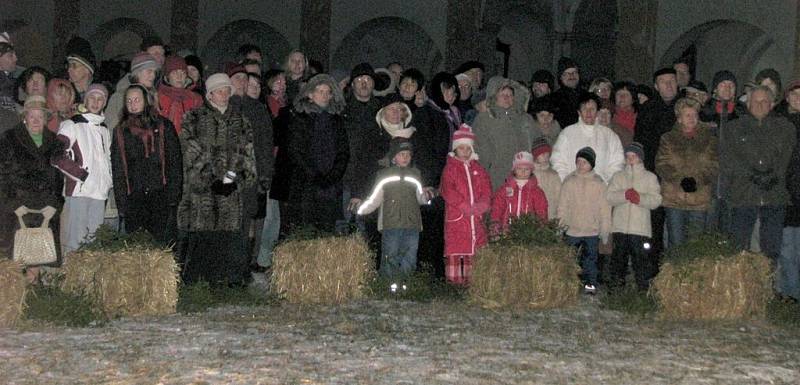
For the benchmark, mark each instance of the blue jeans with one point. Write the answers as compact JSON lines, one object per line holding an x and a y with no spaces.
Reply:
{"x":269,"y":233}
{"x":588,"y":257}
{"x":788,"y":276}
{"x":681,"y":223}
{"x":399,"y":252}
{"x":743,"y":220}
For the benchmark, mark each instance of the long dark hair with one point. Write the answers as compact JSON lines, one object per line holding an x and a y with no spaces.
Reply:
{"x":148,"y":116}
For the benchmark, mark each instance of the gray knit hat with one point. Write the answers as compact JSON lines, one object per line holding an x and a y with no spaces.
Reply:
{"x":143,"y":61}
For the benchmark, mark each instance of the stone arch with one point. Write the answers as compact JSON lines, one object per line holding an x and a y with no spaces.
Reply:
{"x":223,"y":46}
{"x":31,"y":46}
{"x":119,"y":38}
{"x":527,"y":27}
{"x":387,"y":39}
{"x":728,"y":44}
{"x":594,"y":33}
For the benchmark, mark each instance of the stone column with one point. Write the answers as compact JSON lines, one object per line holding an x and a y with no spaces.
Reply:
{"x":635,"y":46}
{"x":184,"y":20}
{"x":66,"y":21}
{"x":315,"y":30}
{"x":463,"y":21}
{"x":797,"y":44}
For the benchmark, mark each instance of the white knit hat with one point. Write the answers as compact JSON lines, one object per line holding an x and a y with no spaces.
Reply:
{"x":217,"y":81}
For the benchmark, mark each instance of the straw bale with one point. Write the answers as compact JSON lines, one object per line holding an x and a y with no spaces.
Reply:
{"x":134,"y":281}
{"x":12,"y":292}
{"x":327,"y":270}
{"x":520,"y":277}
{"x":733,"y":287}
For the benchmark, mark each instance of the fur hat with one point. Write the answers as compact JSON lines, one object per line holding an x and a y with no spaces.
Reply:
{"x":463,"y":76}
{"x":362,"y":69}
{"x":540,"y":146}
{"x":397,"y":145}
{"x":143,"y":61}
{"x":217,"y":81}
{"x":97,"y":88}
{"x":522,"y":158}
{"x":543,"y":76}
{"x":35,"y":102}
{"x":588,"y":154}
{"x":636,"y":148}
{"x":565,"y":63}
{"x":468,"y":65}
{"x":174,"y":63}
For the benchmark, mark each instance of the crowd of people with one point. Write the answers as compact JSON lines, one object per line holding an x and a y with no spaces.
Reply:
{"x":224,"y":165}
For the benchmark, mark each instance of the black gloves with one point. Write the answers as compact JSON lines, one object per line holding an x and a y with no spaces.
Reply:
{"x":689,"y":185}
{"x":225,"y":189}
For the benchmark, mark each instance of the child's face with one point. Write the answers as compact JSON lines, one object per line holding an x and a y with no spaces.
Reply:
{"x":632,"y":159}
{"x":583,"y":165}
{"x":463,"y":152}
{"x":522,"y":172}
{"x":402,"y":159}
{"x":543,"y":158}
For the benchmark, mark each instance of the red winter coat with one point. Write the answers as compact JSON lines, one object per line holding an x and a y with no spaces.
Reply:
{"x":175,"y":102}
{"x":511,"y":201}
{"x":467,"y":192}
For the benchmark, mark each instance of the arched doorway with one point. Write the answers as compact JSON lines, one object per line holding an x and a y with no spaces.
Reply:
{"x":387,"y":39}
{"x":223,"y":46}
{"x":119,"y":39}
{"x":734,"y":45}
{"x":594,"y":34}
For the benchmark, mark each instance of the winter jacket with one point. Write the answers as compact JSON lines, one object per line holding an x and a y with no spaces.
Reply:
{"x":282,"y":176}
{"x":260,"y":120}
{"x":86,"y":159}
{"x":551,"y":134}
{"x":754,"y":158}
{"x":27,"y":178}
{"x":582,"y":206}
{"x":655,"y":118}
{"x":214,"y":143}
{"x":368,"y":144}
{"x":398,"y":192}
{"x":793,"y":176}
{"x":550,"y":183}
{"x":137,"y":172}
{"x":500,"y":133}
{"x":431,"y":143}
{"x":512,"y":201}
{"x":566,"y":101}
{"x":467,"y":194}
{"x":604,"y":142}
{"x":682,"y":157}
{"x":630,"y":218}
{"x":175,"y":102}
{"x":625,"y":135}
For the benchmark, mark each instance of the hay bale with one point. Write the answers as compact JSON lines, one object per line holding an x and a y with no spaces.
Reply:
{"x":522,"y":277}
{"x":12,"y":292}
{"x":706,"y":288}
{"x":327,"y":270}
{"x":138,"y":280}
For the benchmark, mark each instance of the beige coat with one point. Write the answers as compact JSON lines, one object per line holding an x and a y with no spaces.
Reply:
{"x":629,"y":218}
{"x":550,"y":182}
{"x":582,"y":206}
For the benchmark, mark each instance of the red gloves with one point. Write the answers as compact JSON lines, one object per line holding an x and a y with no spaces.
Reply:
{"x":632,"y":196}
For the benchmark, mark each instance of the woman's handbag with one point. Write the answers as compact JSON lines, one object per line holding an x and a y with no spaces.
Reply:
{"x":35,"y":245}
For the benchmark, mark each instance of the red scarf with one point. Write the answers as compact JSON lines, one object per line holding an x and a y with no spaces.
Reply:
{"x":147,"y":136}
{"x":728,"y":105}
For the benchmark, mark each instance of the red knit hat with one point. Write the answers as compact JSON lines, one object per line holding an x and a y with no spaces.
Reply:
{"x":463,"y":135}
{"x":174,"y":63}
{"x":540,"y":146}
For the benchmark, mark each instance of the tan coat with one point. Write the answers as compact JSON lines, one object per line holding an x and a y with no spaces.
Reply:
{"x":550,"y":182}
{"x":582,"y":206}
{"x":629,"y":218}
{"x":681,"y":157}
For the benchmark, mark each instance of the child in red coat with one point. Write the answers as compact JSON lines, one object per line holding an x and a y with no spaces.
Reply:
{"x":520,"y":195}
{"x":467,"y":192}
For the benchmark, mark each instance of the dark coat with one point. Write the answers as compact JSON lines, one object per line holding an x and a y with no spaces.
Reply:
{"x":284,"y":169}
{"x":793,"y":176}
{"x":27,"y":178}
{"x":368,"y":144}
{"x":566,"y":102}
{"x":261,"y":123}
{"x":656,"y":118}
{"x":431,"y":143}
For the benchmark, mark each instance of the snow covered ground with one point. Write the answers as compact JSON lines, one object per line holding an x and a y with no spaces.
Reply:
{"x":398,"y":342}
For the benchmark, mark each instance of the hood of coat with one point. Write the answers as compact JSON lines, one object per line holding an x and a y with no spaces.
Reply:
{"x":303,"y":104}
{"x":521,"y":94}
{"x":435,"y":89}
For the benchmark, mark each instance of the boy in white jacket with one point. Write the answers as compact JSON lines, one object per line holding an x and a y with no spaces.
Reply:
{"x":632,"y":193}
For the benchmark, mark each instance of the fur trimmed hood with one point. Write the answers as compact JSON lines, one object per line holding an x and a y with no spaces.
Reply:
{"x":302,"y":103}
{"x":521,"y":94}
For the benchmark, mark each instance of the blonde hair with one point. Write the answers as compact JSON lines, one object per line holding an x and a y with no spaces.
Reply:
{"x":683,"y":103}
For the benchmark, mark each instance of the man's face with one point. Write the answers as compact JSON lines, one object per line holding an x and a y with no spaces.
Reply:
{"x":221,"y":96}
{"x":8,"y":61}
{"x":362,"y":87}
{"x":726,"y":90}
{"x":408,"y":87}
{"x":396,"y":69}
{"x":771,"y":84}
{"x":477,"y":77}
{"x":683,"y":75}
{"x":540,"y":89}
{"x":588,"y":112}
{"x":667,"y":86}
{"x":77,"y":72}
{"x":239,"y":82}
{"x":570,"y":77}
{"x":465,"y":87}
{"x":759,"y":103}
{"x":147,"y":77}
{"x":297,"y":64}
{"x":157,"y":51}
{"x":36,"y":85}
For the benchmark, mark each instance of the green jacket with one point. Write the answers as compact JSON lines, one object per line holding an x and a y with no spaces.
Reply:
{"x":754,"y":157}
{"x":398,"y":193}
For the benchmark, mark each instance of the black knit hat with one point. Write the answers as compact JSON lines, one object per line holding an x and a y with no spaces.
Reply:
{"x":636,"y":148}
{"x":565,"y":63}
{"x":588,"y":154}
{"x":722,"y":76}
{"x":468,"y":65}
{"x":80,"y":50}
{"x":543,"y":104}
{"x":398,"y":144}
{"x":361,"y":70}
{"x":543,"y":76}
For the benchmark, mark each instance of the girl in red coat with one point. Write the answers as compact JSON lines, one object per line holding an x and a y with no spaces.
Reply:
{"x":467,"y":191}
{"x":520,"y":195}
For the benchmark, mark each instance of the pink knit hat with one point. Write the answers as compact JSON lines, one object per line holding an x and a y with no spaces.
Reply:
{"x":97,"y":88}
{"x":463,"y":135}
{"x":522,"y":158}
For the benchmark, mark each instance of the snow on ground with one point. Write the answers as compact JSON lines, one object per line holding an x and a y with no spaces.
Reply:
{"x":398,"y":342}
